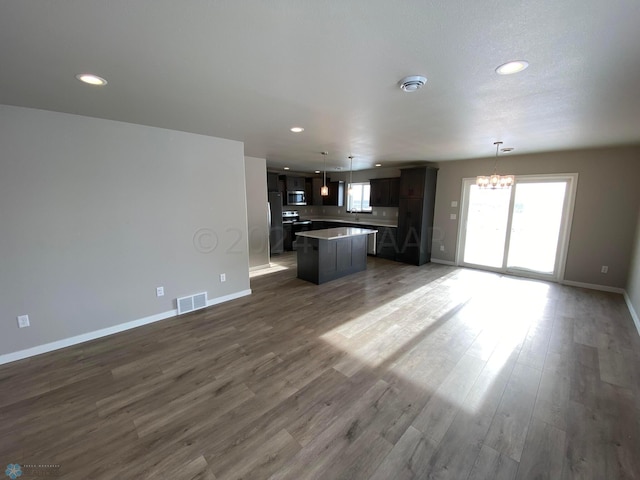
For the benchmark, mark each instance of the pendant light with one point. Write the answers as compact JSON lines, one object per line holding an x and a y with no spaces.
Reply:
{"x":324,"y":191}
{"x":350,"y":189}
{"x":496,"y":181}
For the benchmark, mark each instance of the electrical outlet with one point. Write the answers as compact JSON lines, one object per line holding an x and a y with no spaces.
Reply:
{"x":23,"y":321}
{"x":604,"y":269}
{"x":223,"y":277}
{"x":442,"y":248}
{"x":160,"y":292}
{"x":454,"y":203}
{"x":453,"y":216}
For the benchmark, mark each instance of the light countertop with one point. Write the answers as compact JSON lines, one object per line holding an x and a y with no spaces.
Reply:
{"x":334,"y":233}
{"x":364,"y":220}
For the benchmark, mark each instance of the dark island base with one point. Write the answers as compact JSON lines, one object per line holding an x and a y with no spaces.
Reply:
{"x":321,"y":261}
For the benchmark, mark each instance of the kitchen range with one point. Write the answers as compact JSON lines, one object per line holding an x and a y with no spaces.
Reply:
{"x":292,"y":224}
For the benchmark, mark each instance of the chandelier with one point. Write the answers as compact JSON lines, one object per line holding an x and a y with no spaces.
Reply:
{"x":495,"y":180}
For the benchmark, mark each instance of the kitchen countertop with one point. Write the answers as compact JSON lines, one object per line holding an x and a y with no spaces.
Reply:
{"x":363,"y":221}
{"x":334,"y":233}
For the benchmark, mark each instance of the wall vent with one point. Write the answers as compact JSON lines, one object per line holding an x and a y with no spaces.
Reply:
{"x":192,"y":302}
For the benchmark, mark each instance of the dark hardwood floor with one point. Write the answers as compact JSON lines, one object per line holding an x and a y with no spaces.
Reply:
{"x":399,"y":372}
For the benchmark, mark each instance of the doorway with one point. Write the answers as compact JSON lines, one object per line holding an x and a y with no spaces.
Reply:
{"x":522,"y":230}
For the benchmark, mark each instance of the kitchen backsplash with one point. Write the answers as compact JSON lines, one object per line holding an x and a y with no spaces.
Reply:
{"x":379,"y":214}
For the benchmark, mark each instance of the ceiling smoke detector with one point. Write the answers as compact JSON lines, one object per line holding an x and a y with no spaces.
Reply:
{"x":412,"y":83}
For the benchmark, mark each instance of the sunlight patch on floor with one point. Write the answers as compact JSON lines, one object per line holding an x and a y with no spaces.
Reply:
{"x":482,"y":316}
{"x":274,"y":268}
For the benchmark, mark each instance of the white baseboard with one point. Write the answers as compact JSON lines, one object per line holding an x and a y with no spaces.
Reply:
{"x":593,"y":286}
{"x":443,"y":262}
{"x":228,"y":298}
{"x":632,"y":311}
{"x":85,"y":337}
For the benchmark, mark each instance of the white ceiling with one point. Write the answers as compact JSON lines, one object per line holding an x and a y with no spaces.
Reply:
{"x":250,"y":69}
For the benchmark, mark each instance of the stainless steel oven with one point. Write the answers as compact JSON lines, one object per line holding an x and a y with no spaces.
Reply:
{"x":296,"y":197}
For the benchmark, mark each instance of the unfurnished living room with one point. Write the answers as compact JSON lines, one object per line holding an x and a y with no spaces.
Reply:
{"x":319,"y":240}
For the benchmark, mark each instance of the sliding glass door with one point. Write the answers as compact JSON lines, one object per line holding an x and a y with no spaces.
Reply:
{"x":522,"y":230}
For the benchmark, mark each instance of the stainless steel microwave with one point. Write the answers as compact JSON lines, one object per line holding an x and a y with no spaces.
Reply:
{"x":296,"y":197}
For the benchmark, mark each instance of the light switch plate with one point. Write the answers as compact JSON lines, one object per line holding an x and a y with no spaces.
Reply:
{"x":454,"y":203}
{"x":23,"y":321}
{"x":453,"y":216}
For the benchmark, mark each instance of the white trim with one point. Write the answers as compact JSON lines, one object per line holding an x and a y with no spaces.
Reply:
{"x":592,"y":286}
{"x":227,"y":298}
{"x":85,"y":337}
{"x":632,"y":311}
{"x":568,"y":207}
{"x":259,"y":267}
{"x":443,"y":262}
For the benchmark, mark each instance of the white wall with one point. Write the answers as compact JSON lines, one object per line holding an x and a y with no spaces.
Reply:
{"x":95,"y":214}
{"x":257,"y":215}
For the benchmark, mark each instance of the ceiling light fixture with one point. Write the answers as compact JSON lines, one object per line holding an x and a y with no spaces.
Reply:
{"x":317,"y":171}
{"x":412,"y":83}
{"x":512,"y":67}
{"x":297,"y":129}
{"x":378,"y":164}
{"x":324,"y":191}
{"x":495,"y":180}
{"x":91,"y":79}
{"x":286,"y":168}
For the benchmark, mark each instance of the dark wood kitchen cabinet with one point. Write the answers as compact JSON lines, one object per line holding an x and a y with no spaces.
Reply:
{"x":336,"y":194}
{"x":385,"y":192}
{"x":293,"y":183}
{"x":313,"y":186}
{"x":415,"y":214}
{"x":386,"y":242}
{"x":272,"y":182}
{"x":412,"y":182}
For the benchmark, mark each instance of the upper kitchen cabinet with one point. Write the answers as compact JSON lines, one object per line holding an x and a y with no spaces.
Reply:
{"x":415,"y":214}
{"x":272,"y":182}
{"x":412,"y":182}
{"x":313,"y":186}
{"x":385,"y":192}
{"x":293,"y":183}
{"x":336,"y":194}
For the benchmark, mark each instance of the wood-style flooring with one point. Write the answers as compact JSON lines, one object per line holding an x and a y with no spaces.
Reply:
{"x":399,"y":372}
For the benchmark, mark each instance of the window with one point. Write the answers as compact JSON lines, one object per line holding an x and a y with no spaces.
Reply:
{"x":358,"y":199}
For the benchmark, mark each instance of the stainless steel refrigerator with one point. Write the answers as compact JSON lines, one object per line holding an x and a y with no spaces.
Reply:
{"x":276,"y":238}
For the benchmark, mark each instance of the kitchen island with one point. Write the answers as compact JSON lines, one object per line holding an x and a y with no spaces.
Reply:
{"x":325,"y":255}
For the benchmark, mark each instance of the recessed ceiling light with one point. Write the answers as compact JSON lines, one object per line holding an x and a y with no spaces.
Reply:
{"x":286,"y":168}
{"x":512,"y":67}
{"x":506,"y":149}
{"x":412,"y":83}
{"x":91,"y":79}
{"x":378,"y":164}
{"x":317,"y":171}
{"x":297,"y":129}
